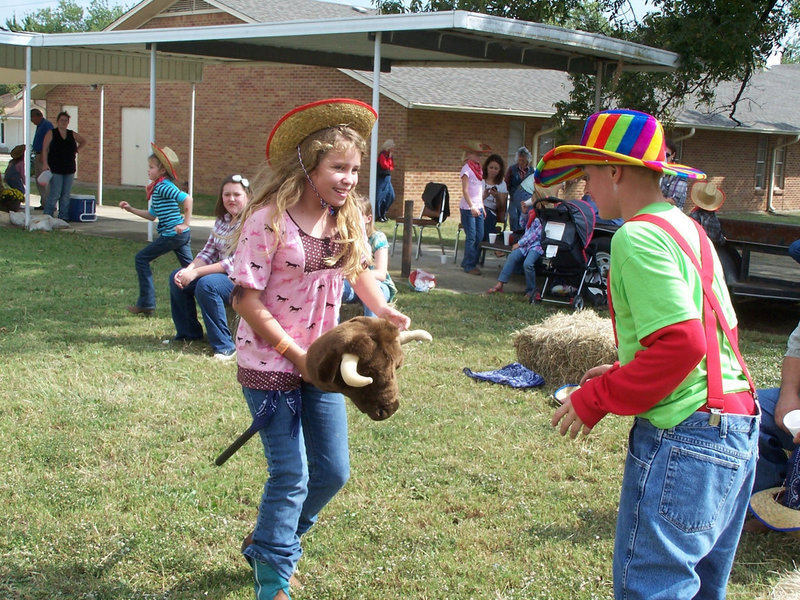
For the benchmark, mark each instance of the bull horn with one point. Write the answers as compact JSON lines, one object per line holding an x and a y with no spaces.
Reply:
{"x":419,"y":335}
{"x":350,"y":374}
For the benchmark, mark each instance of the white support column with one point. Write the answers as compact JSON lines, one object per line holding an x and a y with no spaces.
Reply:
{"x":373,"y":146}
{"x":100,"y":153}
{"x":152,"y":119}
{"x":26,"y":132}
{"x":191,"y":139}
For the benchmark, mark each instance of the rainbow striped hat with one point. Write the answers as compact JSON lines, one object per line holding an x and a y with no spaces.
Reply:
{"x":612,"y":137}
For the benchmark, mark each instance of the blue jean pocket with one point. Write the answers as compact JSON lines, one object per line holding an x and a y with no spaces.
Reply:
{"x":696,"y":487}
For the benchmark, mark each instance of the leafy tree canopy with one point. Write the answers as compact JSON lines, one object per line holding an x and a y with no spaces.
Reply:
{"x":717,"y":40}
{"x":68,"y":17}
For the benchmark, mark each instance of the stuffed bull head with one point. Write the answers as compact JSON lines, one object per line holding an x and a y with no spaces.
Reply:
{"x":358,"y":358}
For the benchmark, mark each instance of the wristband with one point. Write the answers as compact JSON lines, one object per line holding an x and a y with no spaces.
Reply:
{"x":282,"y":346}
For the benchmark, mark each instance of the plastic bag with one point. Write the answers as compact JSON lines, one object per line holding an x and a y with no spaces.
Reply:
{"x":421,"y":281}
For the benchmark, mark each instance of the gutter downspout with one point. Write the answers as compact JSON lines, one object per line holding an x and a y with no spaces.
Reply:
{"x":686,"y":136}
{"x":771,"y":184}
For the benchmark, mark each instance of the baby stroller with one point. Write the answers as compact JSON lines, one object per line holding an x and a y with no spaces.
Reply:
{"x":570,"y":270}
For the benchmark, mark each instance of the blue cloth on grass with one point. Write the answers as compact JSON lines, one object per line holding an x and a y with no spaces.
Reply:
{"x":515,"y":375}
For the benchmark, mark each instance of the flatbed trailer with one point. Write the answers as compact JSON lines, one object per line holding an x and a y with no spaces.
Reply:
{"x":756,"y":261}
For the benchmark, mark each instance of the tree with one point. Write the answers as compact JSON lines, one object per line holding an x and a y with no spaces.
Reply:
{"x":717,"y":40}
{"x":68,"y":17}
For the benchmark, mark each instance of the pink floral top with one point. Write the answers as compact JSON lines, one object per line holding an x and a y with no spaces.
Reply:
{"x":297,"y":288}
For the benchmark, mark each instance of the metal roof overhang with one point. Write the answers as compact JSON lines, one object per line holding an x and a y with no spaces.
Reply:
{"x":457,"y":37}
{"x":85,"y":65}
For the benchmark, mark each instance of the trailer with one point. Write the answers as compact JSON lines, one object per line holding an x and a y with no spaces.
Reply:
{"x":756,"y":261}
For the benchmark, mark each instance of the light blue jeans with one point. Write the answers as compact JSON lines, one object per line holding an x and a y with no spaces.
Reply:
{"x":60,"y":187}
{"x":349,"y":295}
{"x":684,"y":496}
{"x":305,"y":472}
{"x":213,"y":293}
{"x":517,"y":259}
{"x":473,"y":236}
{"x":772,"y":464}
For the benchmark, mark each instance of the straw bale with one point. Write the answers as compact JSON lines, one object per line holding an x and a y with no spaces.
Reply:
{"x":566,"y":345}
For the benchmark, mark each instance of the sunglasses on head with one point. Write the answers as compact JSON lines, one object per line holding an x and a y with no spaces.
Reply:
{"x":670,"y":154}
{"x":239,"y":179}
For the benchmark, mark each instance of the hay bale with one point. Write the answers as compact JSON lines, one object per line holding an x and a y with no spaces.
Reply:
{"x":566,"y":345}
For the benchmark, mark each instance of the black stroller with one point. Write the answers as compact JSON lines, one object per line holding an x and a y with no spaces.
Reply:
{"x":572,"y":269}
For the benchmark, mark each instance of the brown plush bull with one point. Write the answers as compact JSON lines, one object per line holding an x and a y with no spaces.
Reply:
{"x":358,"y":358}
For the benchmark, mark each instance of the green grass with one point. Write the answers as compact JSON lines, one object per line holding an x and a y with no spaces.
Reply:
{"x":109,"y":489}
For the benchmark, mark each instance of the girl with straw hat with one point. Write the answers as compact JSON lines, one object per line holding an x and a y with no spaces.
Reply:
{"x":473,"y":214}
{"x":693,"y":445}
{"x":301,"y":235}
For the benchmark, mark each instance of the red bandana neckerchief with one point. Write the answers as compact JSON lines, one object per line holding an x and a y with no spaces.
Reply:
{"x":476,"y":168}
{"x":152,"y":185}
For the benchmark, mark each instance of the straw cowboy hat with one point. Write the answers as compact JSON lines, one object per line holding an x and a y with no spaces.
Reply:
{"x":779,"y":507}
{"x":17,"y":151}
{"x":613,"y":137}
{"x":168,"y":159}
{"x":708,"y":196}
{"x":768,"y":509}
{"x":476,"y":146}
{"x":296,"y":125}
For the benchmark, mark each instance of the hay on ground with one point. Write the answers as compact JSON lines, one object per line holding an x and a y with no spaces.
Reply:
{"x":566,"y":345}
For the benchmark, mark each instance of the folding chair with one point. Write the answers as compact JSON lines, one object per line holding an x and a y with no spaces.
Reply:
{"x":435,"y":210}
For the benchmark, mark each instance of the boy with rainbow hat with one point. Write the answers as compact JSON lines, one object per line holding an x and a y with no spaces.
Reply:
{"x":693,"y":443}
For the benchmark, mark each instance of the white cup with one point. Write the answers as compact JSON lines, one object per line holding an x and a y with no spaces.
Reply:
{"x":443,"y":258}
{"x":492,"y":238}
{"x":507,"y":238}
{"x":792,"y":421}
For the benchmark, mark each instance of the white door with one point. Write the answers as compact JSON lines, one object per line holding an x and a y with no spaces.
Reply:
{"x":135,"y":145}
{"x":72,"y":111}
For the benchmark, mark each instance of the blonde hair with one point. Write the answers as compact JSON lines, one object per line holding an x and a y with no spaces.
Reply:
{"x":282,"y":187}
{"x":366,"y":209}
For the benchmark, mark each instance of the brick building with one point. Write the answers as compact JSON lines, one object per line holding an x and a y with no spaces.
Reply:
{"x":428,"y":111}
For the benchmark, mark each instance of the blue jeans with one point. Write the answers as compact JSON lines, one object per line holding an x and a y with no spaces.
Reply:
{"x":473,"y":236}
{"x":60,"y":187}
{"x":305,"y":472}
{"x":178,"y":243}
{"x":528,"y":263}
{"x":794,"y":250}
{"x":772,"y":463}
{"x":384,"y":195}
{"x":212,"y":292}
{"x":489,"y":223}
{"x":349,"y":295}
{"x":684,"y":496}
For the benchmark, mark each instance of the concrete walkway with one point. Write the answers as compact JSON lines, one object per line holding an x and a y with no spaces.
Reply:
{"x":114,"y":222}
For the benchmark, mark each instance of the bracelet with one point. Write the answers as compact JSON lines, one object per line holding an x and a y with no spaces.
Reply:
{"x":282,"y":346}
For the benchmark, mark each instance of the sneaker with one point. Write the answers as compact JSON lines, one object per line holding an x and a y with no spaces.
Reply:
{"x":223,"y":357}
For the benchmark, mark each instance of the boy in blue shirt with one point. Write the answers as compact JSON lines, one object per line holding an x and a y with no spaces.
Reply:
{"x":164,"y":199}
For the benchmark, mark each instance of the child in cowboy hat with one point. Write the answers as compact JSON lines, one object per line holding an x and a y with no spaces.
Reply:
{"x":164,"y":200}
{"x":693,"y":444}
{"x":471,"y":205}
{"x":301,"y":235}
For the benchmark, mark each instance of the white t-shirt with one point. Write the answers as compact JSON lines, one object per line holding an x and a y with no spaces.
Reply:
{"x":491,"y":201}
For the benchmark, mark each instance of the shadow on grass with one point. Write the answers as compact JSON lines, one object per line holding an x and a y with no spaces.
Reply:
{"x":593,"y":525}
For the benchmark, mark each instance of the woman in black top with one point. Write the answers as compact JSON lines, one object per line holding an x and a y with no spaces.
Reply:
{"x":59,"y":148}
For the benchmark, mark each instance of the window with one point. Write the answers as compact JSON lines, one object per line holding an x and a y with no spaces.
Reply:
{"x":516,"y":138}
{"x":547,"y":141}
{"x":780,"y":156}
{"x":761,"y":162}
